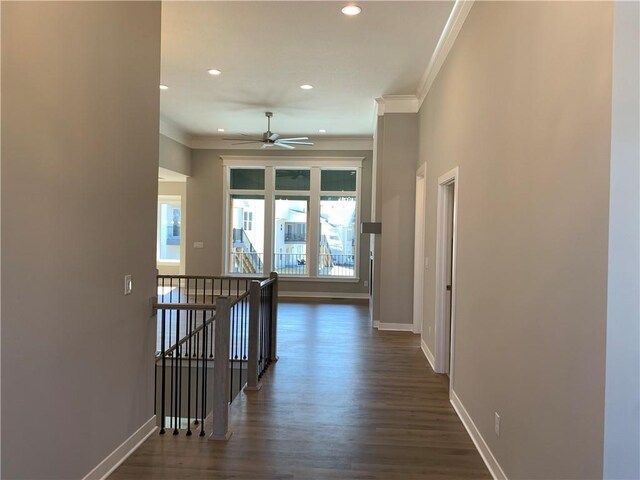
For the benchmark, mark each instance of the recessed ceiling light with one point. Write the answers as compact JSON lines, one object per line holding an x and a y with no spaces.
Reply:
{"x":351,"y":10}
{"x":221,"y":129}
{"x":322,"y":130}
{"x":164,"y":87}
{"x":214,"y":72}
{"x":306,"y":87}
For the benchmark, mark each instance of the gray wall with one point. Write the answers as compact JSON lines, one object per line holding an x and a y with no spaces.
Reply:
{"x":397,"y":153}
{"x":622,"y":407}
{"x":80,"y":140}
{"x":206,"y":217}
{"x":522,"y":105}
{"x":175,"y":156}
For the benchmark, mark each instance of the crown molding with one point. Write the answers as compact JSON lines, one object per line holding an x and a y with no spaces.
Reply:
{"x":174,"y":132}
{"x":214,"y":142}
{"x":449,"y":34}
{"x":397,"y":104}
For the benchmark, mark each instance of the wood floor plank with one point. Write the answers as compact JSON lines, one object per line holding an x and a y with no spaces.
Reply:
{"x":343,"y":402}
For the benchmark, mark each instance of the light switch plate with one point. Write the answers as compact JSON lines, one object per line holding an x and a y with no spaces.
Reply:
{"x":128,"y":285}
{"x":198,"y":244}
{"x":496,"y":423}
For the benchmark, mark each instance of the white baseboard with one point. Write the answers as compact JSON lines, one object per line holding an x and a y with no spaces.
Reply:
{"x":120,"y":454}
{"x":485,"y":452}
{"x":396,"y":327}
{"x":427,"y":353}
{"x":348,"y":296}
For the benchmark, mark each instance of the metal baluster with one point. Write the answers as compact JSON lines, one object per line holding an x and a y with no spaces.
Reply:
{"x":243,"y":331}
{"x":197,"y":344}
{"x":231,"y":347}
{"x":175,"y":367}
{"x":204,"y":377}
{"x":172,"y":371}
{"x":164,"y":364}
{"x":189,"y":367}
{"x":179,"y":392}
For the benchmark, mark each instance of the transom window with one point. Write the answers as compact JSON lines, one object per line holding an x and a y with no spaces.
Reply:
{"x":296,"y":217}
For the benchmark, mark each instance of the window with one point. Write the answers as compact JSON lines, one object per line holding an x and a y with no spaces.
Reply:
{"x":290,"y":238}
{"x":169,"y":229}
{"x":337,"y":236}
{"x":246,"y":242}
{"x":299,"y":220}
{"x":247,"y":220}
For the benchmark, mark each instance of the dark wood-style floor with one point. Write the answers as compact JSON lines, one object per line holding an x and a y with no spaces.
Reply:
{"x":343,"y":402}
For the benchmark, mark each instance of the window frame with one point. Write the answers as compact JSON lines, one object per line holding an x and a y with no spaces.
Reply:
{"x":169,"y":199}
{"x":315,"y":165}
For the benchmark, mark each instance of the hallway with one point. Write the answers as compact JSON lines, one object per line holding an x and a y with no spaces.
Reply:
{"x":344,"y":401}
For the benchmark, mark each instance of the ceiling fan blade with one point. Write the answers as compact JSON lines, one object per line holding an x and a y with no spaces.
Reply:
{"x":294,"y":138}
{"x":273,"y":137}
{"x":295,"y":143}
{"x":266,"y":145}
{"x":284,"y":145}
{"x":243,"y":143}
{"x":246,"y":139}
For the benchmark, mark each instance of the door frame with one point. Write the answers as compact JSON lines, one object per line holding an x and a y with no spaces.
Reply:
{"x":419,"y":250}
{"x":445,"y":343}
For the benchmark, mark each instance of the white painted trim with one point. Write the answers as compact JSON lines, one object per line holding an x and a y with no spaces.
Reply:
{"x":427,"y":353}
{"x":444,"y":342}
{"x":396,"y":327}
{"x":120,"y":454}
{"x":456,"y":19}
{"x":340,"y":295}
{"x":322,"y":142}
{"x":481,"y":445}
{"x":174,"y":132}
{"x":287,"y":162}
{"x":419,"y":250}
{"x":169,"y":176}
{"x":376,"y":323}
{"x":397,"y":104}
{"x":379,"y":111}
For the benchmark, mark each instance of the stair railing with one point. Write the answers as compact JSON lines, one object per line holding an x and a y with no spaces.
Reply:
{"x":210,"y":352}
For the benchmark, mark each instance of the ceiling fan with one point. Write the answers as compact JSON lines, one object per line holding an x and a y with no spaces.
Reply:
{"x":270,"y":139}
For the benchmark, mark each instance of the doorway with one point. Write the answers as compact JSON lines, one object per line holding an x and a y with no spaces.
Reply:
{"x":446,"y":242}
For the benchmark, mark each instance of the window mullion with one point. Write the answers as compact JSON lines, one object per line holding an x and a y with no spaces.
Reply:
{"x":268,"y":219}
{"x":314,"y":222}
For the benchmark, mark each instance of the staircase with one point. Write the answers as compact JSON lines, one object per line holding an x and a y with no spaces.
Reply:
{"x":245,"y":258}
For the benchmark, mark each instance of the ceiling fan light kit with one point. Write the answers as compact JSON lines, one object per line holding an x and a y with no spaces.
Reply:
{"x":270,"y":139}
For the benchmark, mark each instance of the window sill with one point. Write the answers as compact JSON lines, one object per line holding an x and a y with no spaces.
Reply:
{"x":168,"y":262}
{"x":290,"y":278}
{"x":286,"y":278}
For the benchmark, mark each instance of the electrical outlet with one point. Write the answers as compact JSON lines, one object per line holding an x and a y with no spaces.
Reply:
{"x":128,"y":285}
{"x":366,"y":283}
{"x":496,"y":423}
{"x":426,"y":263}
{"x":429,"y":330}
{"x":198,"y":244}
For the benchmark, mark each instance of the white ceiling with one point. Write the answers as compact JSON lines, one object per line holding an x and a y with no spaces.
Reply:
{"x":266,"y":50}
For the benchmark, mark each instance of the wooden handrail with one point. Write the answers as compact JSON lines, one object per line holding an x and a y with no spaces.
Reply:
{"x":184,"y":306}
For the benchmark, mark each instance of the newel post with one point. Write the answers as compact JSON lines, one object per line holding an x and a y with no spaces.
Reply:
{"x":253,"y":381}
{"x":274,"y":317}
{"x":221,"y":371}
